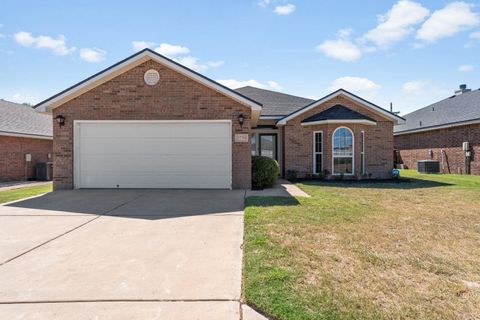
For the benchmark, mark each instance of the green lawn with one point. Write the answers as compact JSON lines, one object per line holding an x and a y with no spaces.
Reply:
{"x":24,"y":192}
{"x":407,"y":249}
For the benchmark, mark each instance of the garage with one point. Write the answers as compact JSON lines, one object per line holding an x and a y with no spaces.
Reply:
{"x":149,"y":122}
{"x":192,"y":154}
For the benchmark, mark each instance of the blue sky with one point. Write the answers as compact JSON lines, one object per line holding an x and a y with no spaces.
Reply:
{"x":411,"y":53}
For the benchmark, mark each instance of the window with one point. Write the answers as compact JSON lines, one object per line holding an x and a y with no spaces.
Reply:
{"x":362,"y":153}
{"x":253,"y":144}
{"x":342,"y":150}
{"x":317,"y":152}
{"x":268,"y":145}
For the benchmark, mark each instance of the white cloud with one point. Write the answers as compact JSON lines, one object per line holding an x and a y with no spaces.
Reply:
{"x":361,"y":86}
{"x":285,"y":9}
{"x":179,"y":54}
{"x":345,"y":33}
{"x":21,"y":98}
{"x":396,"y":24}
{"x":171,"y":50}
{"x":275,"y":85}
{"x":414,"y":87}
{"x":58,"y":45}
{"x":423,"y":88}
{"x":234,"y":84}
{"x":263,"y":3}
{"x":194,"y":64}
{"x":139,"y":45}
{"x":92,"y":54}
{"x":2,"y":36}
{"x":340,"y":49}
{"x":466,"y":68}
{"x":475,"y":35}
{"x":214,"y":64}
{"x":446,"y":22}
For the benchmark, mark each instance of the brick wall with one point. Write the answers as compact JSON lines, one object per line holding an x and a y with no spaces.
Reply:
{"x":414,"y":147}
{"x":12,"y":157}
{"x":127,"y":97}
{"x":378,"y":142}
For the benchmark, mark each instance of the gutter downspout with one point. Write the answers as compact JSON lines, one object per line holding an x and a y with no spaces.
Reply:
{"x":445,"y":159}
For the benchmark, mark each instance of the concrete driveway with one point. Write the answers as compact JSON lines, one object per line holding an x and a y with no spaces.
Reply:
{"x":122,"y":254}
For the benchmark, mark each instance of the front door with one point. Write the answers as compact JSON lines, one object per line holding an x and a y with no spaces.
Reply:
{"x":268,"y":145}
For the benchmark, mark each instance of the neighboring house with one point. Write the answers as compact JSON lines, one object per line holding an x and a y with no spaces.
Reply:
{"x":439,"y":131}
{"x":149,"y":122}
{"x":25,"y":140}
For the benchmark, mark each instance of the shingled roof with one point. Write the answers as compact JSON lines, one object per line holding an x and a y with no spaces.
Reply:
{"x":337,"y":112}
{"x":21,"y":119}
{"x":274,"y":103}
{"x":454,"y":110}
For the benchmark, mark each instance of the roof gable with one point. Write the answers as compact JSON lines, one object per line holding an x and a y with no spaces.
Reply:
{"x":372,"y":107}
{"x":337,"y":112}
{"x":133,"y":61}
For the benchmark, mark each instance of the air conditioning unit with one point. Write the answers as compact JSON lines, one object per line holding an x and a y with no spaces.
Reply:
{"x":428,"y":166}
{"x":44,"y":171}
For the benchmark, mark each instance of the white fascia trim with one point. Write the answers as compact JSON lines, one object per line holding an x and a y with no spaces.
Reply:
{"x":25,"y":135}
{"x":270,"y":117}
{"x":129,"y":64}
{"x":445,"y":126}
{"x":373,"y":107}
{"x":366,"y":122}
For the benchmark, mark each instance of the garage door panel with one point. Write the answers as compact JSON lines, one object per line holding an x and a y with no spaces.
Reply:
{"x":165,"y":130}
{"x":164,"y":181}
{"x":178,"y":154}
{"x":155,"y":146}
{"x":140,"y":163}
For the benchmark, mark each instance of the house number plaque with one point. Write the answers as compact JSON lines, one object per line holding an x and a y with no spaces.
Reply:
{"x":241,"y":137}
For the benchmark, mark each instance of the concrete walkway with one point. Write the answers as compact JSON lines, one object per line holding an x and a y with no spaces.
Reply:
{"x":122,"y":254}
{"x":281,"y":188}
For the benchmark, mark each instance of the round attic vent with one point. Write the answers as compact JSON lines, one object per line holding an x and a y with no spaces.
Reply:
{"x":151,"y":77}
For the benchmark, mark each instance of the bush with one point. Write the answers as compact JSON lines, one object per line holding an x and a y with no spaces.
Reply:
{"x":324,"y":174}
{"x":264,"y":171}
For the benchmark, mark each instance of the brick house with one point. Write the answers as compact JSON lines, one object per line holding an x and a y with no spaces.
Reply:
{"x":25,"y":140}
{"x":439,"y":131}
{"x":149,"y":122}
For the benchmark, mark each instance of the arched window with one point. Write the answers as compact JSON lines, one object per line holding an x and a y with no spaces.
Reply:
{"x":342,"y":151}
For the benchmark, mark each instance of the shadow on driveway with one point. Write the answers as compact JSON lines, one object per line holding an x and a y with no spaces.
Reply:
{"x":131,"y":203}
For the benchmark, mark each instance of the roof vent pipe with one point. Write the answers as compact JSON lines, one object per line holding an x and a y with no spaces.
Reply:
{"x":463,"y":89}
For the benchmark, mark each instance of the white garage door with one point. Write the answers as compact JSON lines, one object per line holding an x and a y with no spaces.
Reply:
{"x":153,"y":154}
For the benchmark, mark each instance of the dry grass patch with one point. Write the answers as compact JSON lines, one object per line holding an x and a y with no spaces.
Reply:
{"x":394,"y":250}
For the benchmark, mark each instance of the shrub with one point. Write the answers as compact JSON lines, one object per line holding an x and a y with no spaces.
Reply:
{"x":264,"y":171}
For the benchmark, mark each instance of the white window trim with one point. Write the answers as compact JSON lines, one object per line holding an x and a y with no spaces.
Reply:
{"x":362,"y":151}
{"x":353,"y":154}
{"x":315,"y":153}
